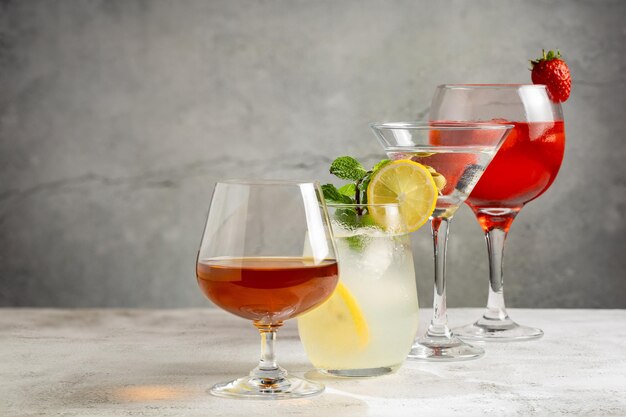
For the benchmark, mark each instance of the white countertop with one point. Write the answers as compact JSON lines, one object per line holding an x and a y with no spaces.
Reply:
{"x":161,"y":362}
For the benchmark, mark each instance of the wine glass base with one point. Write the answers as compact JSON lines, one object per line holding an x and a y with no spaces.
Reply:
{"x":497,"y":331}
{"x":258,"y":389}
{"x":444,"y":349}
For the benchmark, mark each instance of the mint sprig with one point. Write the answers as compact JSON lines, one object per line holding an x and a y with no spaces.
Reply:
{"x":355,"y":192}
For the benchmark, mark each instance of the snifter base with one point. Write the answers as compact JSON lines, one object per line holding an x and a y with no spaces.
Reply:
{"x":254,"y":388}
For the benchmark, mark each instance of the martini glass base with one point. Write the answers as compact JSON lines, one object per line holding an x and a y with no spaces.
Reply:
{"x":259,"y":389}
{"x":497,"y":331}
{"x":444,"y":349}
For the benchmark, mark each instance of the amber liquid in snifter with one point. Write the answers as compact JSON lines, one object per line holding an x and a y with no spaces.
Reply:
{"x":267,"y":290}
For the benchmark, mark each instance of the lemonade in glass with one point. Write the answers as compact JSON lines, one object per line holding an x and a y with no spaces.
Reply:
{"x":368,"y":325}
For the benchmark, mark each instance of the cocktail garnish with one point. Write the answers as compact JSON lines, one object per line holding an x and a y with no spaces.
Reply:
{"x":414,"y":186}
{"x":408,"y":183}
{"x":552,"y":71}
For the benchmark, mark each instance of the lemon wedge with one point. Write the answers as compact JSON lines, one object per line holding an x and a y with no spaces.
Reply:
{"x":407,"y":183}
{"x":335,"y":328}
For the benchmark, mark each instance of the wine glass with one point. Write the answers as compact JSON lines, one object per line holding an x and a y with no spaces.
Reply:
{"x":456,"y":155}
{"x":524,"y":168}
{"x":251,"y":264}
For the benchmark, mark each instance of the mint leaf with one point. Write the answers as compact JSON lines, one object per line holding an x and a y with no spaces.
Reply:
{"x":332,"y":195}
{"x":381,"y":164}
{"x":347,"y":168}
{"x":355,"y":243}
{"x":352,"y":220}
{"x":347,"y":217}
{"x":348,"y":190}
{"x":368,"y":221}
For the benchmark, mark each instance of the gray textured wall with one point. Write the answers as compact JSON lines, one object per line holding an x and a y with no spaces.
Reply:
{"x":116,"y":118}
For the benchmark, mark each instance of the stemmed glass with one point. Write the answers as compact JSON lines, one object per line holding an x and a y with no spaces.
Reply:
{"x":524,"y":168}
{"x":251,"y":264}
{"x":456,"y":155}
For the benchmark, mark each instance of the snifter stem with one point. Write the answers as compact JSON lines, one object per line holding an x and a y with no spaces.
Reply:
{"x":268,"y":372}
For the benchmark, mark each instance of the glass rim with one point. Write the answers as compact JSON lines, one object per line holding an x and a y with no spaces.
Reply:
{"x":488,"y":86}
{"x":419,"y":125}
{"x":244,"y":181}
{"x":364,"y":205}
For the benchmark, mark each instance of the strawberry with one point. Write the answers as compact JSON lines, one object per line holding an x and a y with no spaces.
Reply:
{"x":552,"y":71}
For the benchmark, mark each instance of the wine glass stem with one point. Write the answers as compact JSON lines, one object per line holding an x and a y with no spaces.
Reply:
{"x":268,"y":370}
{"x":439,"y":323}
{"x":495,"y":245}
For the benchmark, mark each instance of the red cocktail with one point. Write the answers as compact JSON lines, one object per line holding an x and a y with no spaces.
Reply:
{"x":523,"y":169}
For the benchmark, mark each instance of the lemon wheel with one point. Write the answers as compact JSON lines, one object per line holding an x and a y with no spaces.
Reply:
{"x":407,"y":183}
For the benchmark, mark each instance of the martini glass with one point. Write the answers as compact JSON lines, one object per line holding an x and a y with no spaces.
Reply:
{"x":524,"y":168}
{"x":457,"y":155}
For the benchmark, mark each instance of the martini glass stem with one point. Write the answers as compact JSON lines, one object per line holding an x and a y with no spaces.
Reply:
{"x":495,"y":303}
{"x":439,"y":323}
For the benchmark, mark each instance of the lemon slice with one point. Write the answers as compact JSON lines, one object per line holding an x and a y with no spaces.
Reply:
{"x":334,"y":329}
{"x":405,"y":182}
